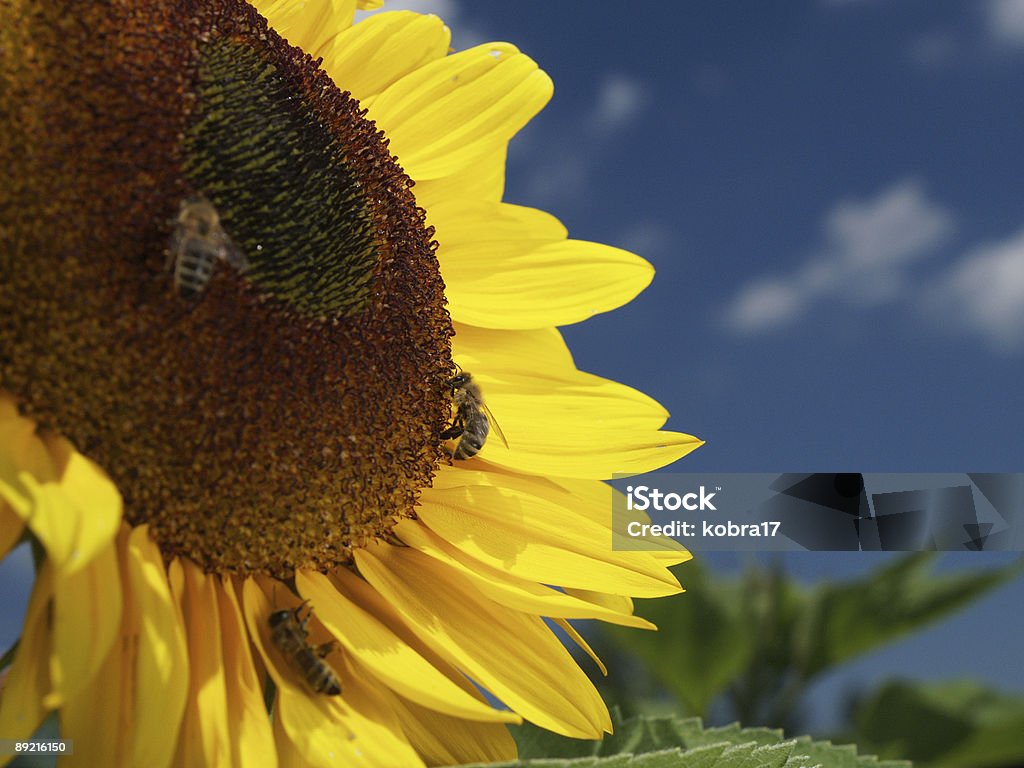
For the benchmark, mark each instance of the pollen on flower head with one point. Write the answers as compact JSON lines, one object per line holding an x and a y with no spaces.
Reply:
{"x":285,"y":414}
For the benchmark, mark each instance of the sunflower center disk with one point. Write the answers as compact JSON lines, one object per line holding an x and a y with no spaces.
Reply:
{"x":288,"y":411}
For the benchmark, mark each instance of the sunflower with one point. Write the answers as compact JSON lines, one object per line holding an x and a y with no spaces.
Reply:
{"x":192,"y":470}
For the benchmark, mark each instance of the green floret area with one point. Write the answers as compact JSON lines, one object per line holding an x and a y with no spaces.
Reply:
{"x":281,"y":182}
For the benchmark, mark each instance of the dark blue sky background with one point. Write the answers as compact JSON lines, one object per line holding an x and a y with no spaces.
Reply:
{"x":747,"y":144}
{"x":832,"y":192}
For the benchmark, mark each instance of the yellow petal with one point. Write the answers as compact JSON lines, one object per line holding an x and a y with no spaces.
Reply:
{"x":514,"y":656}
{"x":619,"y":603}
{"x":541,"y":349}
{"x":289,"y":754}
{"x":87,"y":607}
{"x":467,"y":739}
{"x":361,"y":593}
{"x":162,"y":669}
{"x":670,"y":556}
{"x":473,"y":234}
{"x":311,"y":720}
{"x":390,"y":660}
{"x":11,"y":524}
{"x":444,"y":740}
{"x":555,"y":284}
{"x":307,"y":24}
{"x":568,"y":396}
{"x":577,"y":638}
{"x":498,"y":369}
{"x":369,"y":5}
{"x":89,"y":513}
{"x":103,"y":734}
{"x":498,"y":585}
{"x":595,"y":501}
{"x":315,"y":729}
{"x":28,"y":679}
{"x":205,"y":734}
{"x":529,"y":529}
{"x":21,"y":450}
{"x":506,"y":266}
{"x":572,"y":424}
{"x":252,"y":739}
{"x":481,"y":180}
{"x":372,"y":55}
{"x":448,"y":114}
{"x":11,"y":528}
{"x":67,"y":501}
{"x":377,"y":721}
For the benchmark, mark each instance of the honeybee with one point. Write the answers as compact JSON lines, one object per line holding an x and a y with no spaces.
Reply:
{"x":473,"y":420}
{"x":197,"y":244}
{"x":288,"y":631}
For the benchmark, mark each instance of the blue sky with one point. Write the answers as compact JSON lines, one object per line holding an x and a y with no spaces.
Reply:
{"x":837,"y":220}
{"x":831,"y":192}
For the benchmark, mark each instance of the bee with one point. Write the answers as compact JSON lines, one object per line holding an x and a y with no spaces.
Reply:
{"x":197,"y":244}
{"x":288,"y":631}
{"x":473,"y":420}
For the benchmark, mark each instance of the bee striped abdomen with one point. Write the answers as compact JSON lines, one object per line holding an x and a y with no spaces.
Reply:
{"x":288,"y":631}
{"x":474,"y":435}
{"x":193,"y":267}
{"x":472,"y":422}
{"x":198,"y":243}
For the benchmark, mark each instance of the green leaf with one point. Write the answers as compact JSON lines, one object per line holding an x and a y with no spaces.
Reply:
{"x":846,"y":620}
{"x":684,"y":743}
{"x":962,"y":724}
{"x":760,"y":639}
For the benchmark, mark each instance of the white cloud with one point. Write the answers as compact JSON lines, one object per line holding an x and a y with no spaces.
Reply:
{"x":647,"y":238}
{"x":561,"y":172}
{"x":872,"y":255}
{"x":983,"y":293}
{"x":618,"y":102}
{"x":767,"y":304}
{"x":1006,"y":21}
{"x":898,"y":225}
{"x":560,"y":179}
{"x":933,"y":49}
{"x":994,"y":24}
{"x":867,"y":249}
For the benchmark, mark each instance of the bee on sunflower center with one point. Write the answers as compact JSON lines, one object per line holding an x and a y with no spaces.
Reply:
{"x":197,"y":244}
{"x":473,"y":419}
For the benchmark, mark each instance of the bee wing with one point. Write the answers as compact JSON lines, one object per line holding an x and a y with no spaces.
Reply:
{"x":494,"y":424}
{"x":233,"y":255}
